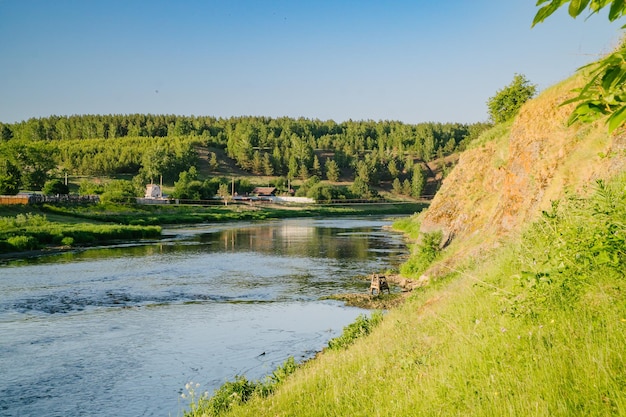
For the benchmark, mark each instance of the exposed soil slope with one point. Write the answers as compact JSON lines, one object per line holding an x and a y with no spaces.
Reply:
{"x":515,"y":171}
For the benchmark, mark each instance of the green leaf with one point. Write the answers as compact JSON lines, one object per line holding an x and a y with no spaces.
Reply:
{"x":610,"y":76}
{"x":617,"y":10}
{"x":617,"y":119}
{"x":546,"y":11}
{"x":576,"y":7}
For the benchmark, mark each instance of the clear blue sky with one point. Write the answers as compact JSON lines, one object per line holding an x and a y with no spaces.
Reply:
{"x":412,"y":61}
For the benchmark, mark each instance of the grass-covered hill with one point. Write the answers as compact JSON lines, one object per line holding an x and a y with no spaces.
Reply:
{"x":522,"y":311}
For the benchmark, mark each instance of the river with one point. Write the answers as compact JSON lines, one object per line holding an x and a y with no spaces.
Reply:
{"x":119,"y":331}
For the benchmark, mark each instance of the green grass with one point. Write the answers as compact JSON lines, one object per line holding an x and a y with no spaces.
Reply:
{"x":28,"y":231}
{"x":538,"y":329}
{"x":172,"y":214}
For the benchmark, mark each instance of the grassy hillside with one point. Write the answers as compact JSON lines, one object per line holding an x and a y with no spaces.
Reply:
{"x":525,"y":311}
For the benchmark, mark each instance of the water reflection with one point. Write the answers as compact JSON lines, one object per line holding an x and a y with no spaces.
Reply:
{"x":291,"y":239}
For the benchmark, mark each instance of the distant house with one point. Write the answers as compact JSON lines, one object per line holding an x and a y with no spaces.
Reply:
{"x":264,"y":191}
{"x":153,"y":191}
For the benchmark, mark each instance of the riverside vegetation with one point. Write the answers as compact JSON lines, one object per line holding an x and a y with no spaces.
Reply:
{"x":539,"y":329}
{"x":28,"y":231}
{"x":522,"y":309}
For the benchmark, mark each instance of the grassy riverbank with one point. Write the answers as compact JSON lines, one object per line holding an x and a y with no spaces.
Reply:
{"x":536,"y":327}
{"x":27,"y":232}
{"x":28,"y":228}
{"x":175,"y":214}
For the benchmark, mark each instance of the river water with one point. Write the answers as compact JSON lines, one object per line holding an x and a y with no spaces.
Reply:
{"x":119,"y":331}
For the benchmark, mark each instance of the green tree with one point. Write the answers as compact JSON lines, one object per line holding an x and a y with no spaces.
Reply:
{"x":213,"y":163}
{"x":417,"y":182}
{"x":222,"y":191}
{"x":5,"y":132}
{"x":34,"y":161}
{"x":316,"y":166}
{"x":507,"y":101}
{"x":268,"y":167}
{"x":55,"y":187}
{"x":605,"y":91}
{"x":119,"y":191}
{"x":303,"y":172}
{"x":323,"y":192}
{"x":155,"y":162}
{"x":332,"y":170}
{"x":10,"y":178}
{"x":392,"y":167}
{"x":406,"y":187}
{"x":360,"y":188}
{"x":257,"y":163}
{"x":397,"y":186}
{"x":188,"y":186}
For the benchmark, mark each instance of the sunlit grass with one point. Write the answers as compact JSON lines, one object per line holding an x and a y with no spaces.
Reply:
{"x":24,"y":232}
{"x":488,"y":341}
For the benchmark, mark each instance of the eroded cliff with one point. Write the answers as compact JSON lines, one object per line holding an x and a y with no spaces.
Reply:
{"x":516,"y":170}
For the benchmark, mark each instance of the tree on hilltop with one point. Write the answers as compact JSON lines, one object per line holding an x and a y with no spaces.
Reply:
{"x":507,"y":101}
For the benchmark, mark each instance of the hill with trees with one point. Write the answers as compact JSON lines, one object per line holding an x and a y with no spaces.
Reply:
{"x":150,"y":147}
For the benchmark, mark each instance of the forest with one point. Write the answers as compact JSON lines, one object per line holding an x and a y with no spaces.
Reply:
{"x":168,"y":147}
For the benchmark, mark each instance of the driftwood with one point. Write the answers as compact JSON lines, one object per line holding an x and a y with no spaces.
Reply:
{"x":379,"y":284}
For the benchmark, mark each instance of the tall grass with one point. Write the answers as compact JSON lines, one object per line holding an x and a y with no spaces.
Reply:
{"x":173,"y":214}
{"x":33,"y":231}
{"x":538,"y":330}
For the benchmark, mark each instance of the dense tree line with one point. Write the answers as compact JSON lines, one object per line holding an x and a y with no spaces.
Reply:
{"x":150,"y":146}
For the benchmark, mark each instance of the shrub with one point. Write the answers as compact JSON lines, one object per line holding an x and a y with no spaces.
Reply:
{"x":90,"y":188}
{"x":119,"y":191}
{"x":575,"y":253}
{"x":228,"y":395}
{"x":54,"y":187}
{"x":424,"y":254}
{"x":21,"y":242}
{"x":237,"y":392}
{"x":362,"y":326}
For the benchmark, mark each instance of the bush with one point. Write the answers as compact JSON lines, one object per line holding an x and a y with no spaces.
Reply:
{"x":119,"y":191}
{"x":90,"y":188}
{"x":21,"y":243}
{"x":228,"y":395}
{"x":307,"y":185}
{"x":362,"y":326}
{"x":237,"y":392}
{"x":54,"y":187}
{"x":323,"y":192}
{"x":424,"y":254}
{"x":576,"y":254}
